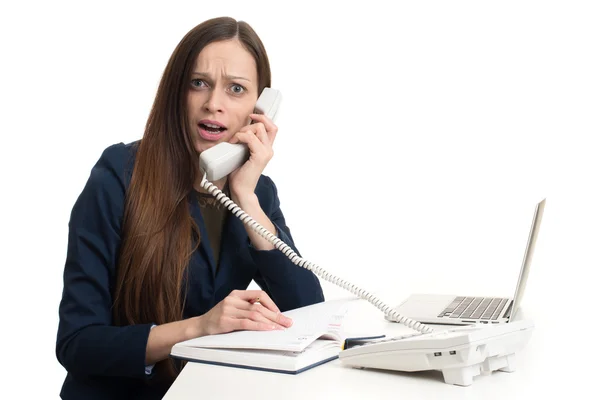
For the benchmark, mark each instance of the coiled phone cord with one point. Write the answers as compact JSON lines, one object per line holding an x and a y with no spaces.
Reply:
{"x":297,"y":260}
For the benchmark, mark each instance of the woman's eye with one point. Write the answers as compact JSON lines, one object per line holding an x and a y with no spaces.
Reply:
{"x":198,"y":83}
{"x":237,"y":89}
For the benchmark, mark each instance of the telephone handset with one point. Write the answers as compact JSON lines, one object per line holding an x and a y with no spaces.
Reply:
{"x":224,"y":158}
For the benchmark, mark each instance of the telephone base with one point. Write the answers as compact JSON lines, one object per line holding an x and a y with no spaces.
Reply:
{"x":461,"y":354}
{"x":463,"y":376}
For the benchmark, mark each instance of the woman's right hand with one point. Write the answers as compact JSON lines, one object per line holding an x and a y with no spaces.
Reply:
{"x":241,"y":311}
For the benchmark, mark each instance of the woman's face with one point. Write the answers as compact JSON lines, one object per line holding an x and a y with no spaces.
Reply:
{"x":223,"y":90}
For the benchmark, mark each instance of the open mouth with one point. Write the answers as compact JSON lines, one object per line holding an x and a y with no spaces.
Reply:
{"x":212,"y":129}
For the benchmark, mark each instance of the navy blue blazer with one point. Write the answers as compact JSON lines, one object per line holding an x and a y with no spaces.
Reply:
{"x":104,"y":361}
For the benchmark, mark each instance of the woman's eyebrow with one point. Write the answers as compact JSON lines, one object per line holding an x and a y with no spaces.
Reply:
{"x":230,"y":77}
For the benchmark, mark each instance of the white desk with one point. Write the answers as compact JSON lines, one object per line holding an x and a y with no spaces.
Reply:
{"x":535,"y":375}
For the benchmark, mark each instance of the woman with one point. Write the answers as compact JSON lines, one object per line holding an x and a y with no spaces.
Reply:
{"x":152,"y":258}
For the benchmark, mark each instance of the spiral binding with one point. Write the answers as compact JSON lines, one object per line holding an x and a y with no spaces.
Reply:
{"x":297,"y":260}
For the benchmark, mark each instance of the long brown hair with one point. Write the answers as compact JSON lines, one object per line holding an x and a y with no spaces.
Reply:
{"x":159,"y":234}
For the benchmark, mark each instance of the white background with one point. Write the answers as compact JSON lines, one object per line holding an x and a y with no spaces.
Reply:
{"x":414,"y":143}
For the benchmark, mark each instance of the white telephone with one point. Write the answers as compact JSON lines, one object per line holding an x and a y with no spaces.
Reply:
{"x":409,"y":353}
{"x":459,"y":353}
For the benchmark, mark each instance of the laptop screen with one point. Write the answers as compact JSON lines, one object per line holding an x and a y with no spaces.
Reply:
{"x":533,"y":234}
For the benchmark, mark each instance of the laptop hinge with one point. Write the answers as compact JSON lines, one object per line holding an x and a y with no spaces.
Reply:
{"x":507,"y":313}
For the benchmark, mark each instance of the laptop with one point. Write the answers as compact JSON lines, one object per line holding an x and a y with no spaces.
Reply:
{"x":468,"y":310}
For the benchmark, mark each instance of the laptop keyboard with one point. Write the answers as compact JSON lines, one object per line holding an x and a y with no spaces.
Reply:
{"x":486,"y":308}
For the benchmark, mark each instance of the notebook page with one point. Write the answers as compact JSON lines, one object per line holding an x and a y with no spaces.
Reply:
{"x":310,"y":323}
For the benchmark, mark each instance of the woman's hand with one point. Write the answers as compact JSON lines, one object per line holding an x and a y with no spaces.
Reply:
{"x":259,"y":138}
{"x":243,"y":310}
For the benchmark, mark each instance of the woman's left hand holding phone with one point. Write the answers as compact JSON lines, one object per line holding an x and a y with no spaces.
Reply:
{"x":259,"y":137}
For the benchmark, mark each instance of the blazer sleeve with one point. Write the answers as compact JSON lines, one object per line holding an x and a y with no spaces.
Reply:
{"x":289,"y":285}
{"x":87,"y":342}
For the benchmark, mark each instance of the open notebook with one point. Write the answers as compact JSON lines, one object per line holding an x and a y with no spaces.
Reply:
{"x":316,"y":337}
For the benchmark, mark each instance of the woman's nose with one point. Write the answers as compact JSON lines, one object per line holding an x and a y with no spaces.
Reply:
{"x":214,"y":102}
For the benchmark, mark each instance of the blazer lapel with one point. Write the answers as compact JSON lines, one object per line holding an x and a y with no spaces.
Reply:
{"x":232,"y":242}
{"x":205,"y":247}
